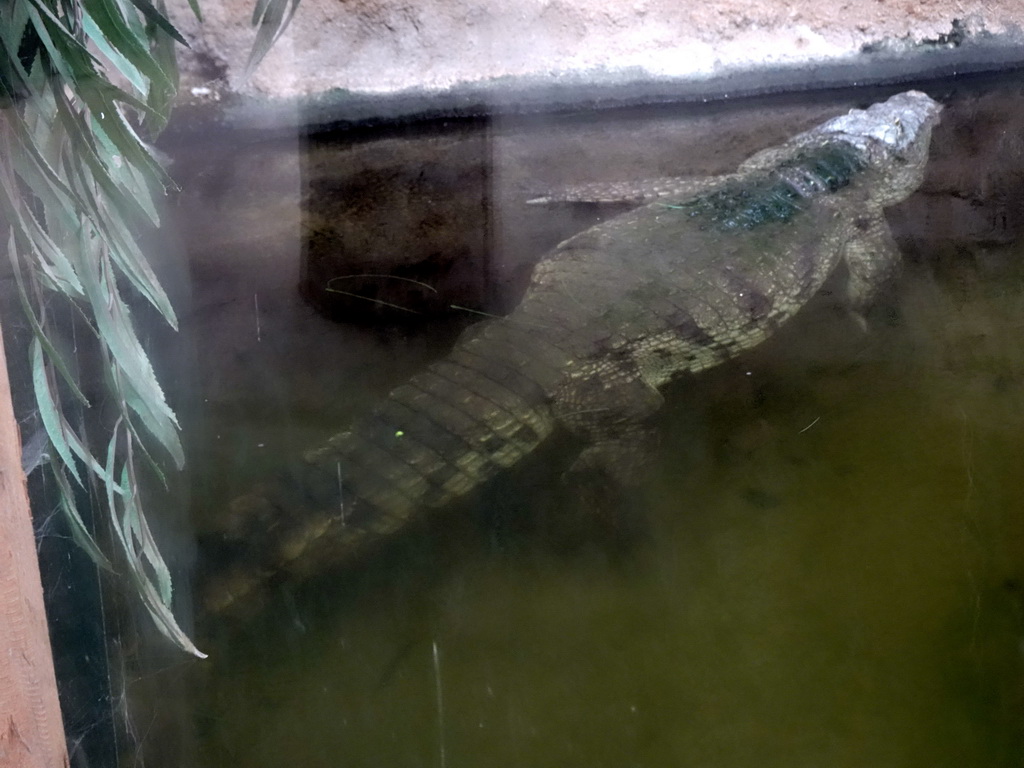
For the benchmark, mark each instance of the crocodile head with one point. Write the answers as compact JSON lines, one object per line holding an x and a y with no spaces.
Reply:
{"x":893,"y":137}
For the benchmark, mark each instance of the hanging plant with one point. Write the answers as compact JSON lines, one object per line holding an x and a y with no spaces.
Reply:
{"x":77,"y":182}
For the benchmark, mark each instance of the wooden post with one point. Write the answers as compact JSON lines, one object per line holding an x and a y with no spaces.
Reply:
{"x":31,"y":730}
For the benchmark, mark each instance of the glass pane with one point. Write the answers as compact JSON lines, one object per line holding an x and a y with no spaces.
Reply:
{"x":808,"y":553}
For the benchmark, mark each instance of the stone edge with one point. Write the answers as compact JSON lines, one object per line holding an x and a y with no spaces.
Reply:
{"x":887,"y":63}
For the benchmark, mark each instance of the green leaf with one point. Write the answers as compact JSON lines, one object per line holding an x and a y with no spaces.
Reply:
{"x":270,"y":17}
{"x":138,"y":384}
{"x":37,"y":329}
{"x":115,"y":27}
{"x":110,"y":470}
{"x":130,"y":181}
{"x":131,"y":532}
{"x":111,"y":233}
{"x":151,"y":462}
{"x":105,"y":113}
{"x":155,"y":421}
{"x":49,"y":410}
{"x":33,"y":238}
{"x":132,"y":19}
{"x":124,"y":249}
{"x":259,"y":10}
{"x":156,"y":603}
{"x":79,"y":531}
{"x":36,"y":171}
{"x":59,"y":57}
{"x":160,"y":99}
{"x":158,"y":19}
{"x":83,"y":453}
{"x":87,"y":154}
{"x":13,"y":25}
{"x":135,"y":267}
{"x":150,"y":553}
{"x":130,"y":72}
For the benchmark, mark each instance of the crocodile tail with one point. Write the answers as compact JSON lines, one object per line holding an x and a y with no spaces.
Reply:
{"x":433,"y":439}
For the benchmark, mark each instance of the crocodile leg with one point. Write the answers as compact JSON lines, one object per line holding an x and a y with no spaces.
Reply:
{"x":607,"y":404}
{"x":871,"y":258}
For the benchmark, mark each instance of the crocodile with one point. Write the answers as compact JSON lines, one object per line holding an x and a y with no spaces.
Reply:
{"x":702,"y":270}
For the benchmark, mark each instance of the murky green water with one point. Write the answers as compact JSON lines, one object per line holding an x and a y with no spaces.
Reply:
{"x":832,"y":575}
{"x":827,"y":568}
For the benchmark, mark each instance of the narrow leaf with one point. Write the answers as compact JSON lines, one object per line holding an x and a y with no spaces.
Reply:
{"x":49,"y":411}
{"x":40,"y":334}
{"x":139,"y":385}
{"x":115,"y":28}
{"x":149,"y":551}
{"x":58,"y":57}
{"x":158,"y":609}
{"x":101,"y":472}
{"x":79,"y":531}
{"x":271,"y":17}
{"x":51,"y":259}
{"x":130,"y":72}
{"x":158,"y":19}
{"x":259,"y":10}
{"x":161,"y":99}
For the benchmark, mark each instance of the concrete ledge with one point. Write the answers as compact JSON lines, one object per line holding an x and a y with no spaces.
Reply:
{"x":882,"y":63}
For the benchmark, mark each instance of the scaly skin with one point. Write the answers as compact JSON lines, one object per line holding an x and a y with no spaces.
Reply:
{"x":710,"y":268}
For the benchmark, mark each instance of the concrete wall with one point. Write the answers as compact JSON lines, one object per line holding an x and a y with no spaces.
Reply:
{"x":391,"y":46}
